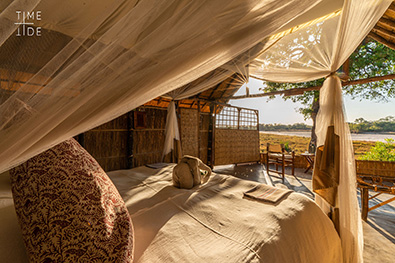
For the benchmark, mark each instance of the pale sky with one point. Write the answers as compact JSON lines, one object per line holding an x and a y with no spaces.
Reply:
{"x":284,"y":112}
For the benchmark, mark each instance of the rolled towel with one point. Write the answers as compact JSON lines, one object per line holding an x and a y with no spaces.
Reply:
{"x":187,"y":173}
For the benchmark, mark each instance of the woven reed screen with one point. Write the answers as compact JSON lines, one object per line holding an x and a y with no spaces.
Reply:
{"x":189,"y":132}
{"x":149,"y":138}
{"x":236,"y":136}
{"x":236,"y":146}
{"x":380,"y":168}
{"x":108,"y":144}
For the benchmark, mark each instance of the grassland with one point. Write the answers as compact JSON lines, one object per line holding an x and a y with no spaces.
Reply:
{"x":300,"y":144}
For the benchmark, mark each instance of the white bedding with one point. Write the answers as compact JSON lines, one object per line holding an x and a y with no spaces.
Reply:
{"x":214,"y":223}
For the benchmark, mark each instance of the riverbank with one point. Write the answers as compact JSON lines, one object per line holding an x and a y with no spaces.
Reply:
{"x":300,"y":143}
{"x":370,"y":137}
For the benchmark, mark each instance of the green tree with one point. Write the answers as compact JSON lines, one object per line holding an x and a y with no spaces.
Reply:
{"x":386,"y":124}
{"x":369,"y":60}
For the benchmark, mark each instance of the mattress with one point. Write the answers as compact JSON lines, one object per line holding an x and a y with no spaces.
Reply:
{"x":214,"y":222}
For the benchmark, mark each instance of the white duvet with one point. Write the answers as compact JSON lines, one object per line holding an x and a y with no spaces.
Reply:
{"x":214,"y":223}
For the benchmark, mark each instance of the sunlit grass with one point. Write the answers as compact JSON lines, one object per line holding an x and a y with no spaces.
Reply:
{"x":300,"y":144}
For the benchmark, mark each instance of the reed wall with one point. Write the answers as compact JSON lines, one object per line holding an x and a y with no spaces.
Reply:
{"x":386,"y":169}
{"x":137,"y":138}
{"x":148,"y":140}
{"x":236,"y":146}
{"x":108,"y":143}
{"x":189,"y":131}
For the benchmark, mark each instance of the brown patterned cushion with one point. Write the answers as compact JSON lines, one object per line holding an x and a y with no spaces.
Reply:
{"x":69,"y":210}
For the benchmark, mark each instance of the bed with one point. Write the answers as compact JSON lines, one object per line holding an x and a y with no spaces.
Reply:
{"x":209,"y":223}
{"x":214,"y":222}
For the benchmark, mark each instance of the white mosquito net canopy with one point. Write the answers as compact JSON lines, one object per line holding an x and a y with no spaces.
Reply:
{"x":83,"y":63}
{"x":95,"y":60}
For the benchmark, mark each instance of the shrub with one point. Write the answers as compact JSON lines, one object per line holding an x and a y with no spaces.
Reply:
{"x":382,"y":151}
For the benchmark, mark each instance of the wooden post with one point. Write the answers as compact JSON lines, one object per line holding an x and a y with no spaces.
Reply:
{"x":259,"y":139}
{"x":346,"y":68}
{"x":238,"y":119}
{"x":129,"y":143}
{"x":210,"y":146}
{"x":81,"y":139}
{"x":198,"y":127}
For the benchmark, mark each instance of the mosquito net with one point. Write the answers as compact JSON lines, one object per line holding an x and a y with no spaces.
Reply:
{"x":95,"y":60}
{"x":68,"y":66}
{"x":317,"y":51}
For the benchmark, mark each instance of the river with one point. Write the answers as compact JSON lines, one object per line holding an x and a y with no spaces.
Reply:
{"x":374,"y":137}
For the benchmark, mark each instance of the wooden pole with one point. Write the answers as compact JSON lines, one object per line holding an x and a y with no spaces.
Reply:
{"x":381,"y":40}
{"x":129,"y":142}
{"x":198,"y":127}
{"x":300,"y":91}
{"x":346,"y":68}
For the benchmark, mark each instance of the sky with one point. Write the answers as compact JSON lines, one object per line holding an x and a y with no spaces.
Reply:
{"x":284,"y":112}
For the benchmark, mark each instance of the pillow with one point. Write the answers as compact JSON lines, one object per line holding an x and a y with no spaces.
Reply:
{"x":69,"y":210}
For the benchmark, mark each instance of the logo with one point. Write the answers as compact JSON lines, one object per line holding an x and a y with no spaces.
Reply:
{"x":26,"y":23}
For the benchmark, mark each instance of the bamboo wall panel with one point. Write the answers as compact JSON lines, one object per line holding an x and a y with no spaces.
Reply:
{"x":189,"y":126}
{"x":147,"y":146}
{"x":107,"y":143}
{"x":380,"y":168}
{"x":148,"y":142}
{"x":236,"y":146}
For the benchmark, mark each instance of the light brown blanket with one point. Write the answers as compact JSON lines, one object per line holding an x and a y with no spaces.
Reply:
{"x":215,"y":223}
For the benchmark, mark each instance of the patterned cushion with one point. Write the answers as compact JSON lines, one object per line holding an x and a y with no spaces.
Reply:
{"x":69,"y":210}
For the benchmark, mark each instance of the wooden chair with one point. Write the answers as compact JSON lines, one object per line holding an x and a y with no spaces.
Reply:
{"x":277,"y":155}
{"x":377,"y":177}
{"x":379,"y":185}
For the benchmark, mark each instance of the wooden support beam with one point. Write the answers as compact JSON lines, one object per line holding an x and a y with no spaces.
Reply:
{"x":386,"y":23}
{"x":159,"y":100}
{"x":381,"y":40}
{"x":300,"y":91}
{"x":346,"y":68}
{"x":226,"y":89}
{"x":290,"y":92}
{"x":391,"y":10}
{"x":368,"y":80}
{"x":383,"y":32}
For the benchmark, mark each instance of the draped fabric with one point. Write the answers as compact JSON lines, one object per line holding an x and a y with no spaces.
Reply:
{"x":317,"y":51}
{"x":96,"y":60}
{"x":326,"y":170}
{"x":172,"y":132}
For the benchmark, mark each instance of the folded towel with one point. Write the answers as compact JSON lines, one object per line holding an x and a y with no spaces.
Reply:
{"x":157,"y":165}
{"x":267,"y":193}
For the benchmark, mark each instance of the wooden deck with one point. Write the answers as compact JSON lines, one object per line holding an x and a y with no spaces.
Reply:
{"x":379,"y":230}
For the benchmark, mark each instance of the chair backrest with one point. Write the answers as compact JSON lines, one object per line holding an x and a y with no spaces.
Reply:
{"x":275,"y":148}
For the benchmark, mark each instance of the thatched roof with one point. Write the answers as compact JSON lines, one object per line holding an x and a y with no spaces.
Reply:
{"x":384,"y":31}
{"x":220,"y":93}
